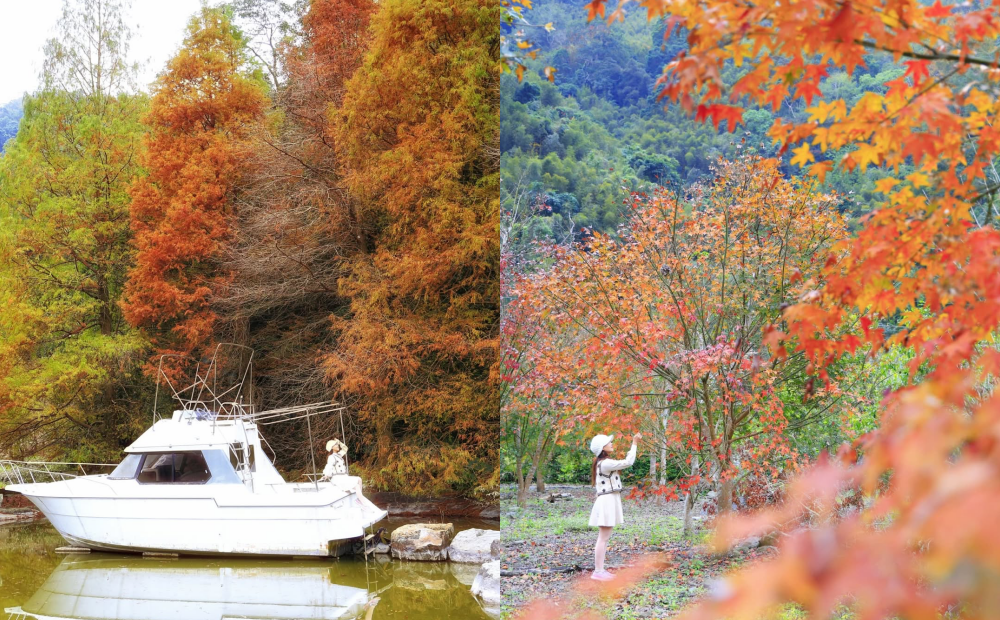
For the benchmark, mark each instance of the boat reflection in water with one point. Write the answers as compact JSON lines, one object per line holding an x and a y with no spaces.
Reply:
{"x":106,"y":587}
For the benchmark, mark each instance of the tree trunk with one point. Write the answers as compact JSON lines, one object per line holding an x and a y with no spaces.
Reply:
{"x":522,"y":494}
{"x":725,"y":498}
{"x":540,"y":478}
{"x":652,"y":466}
{"x":688,"y":513}
{"x":689,"y":500}
{"x":663,"y":453}
{"x":104,"y":320}
{"x":522,"y":485}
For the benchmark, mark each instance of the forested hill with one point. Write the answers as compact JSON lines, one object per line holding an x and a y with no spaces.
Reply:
{"x":569,"y":147}
{"x":10,"y":116}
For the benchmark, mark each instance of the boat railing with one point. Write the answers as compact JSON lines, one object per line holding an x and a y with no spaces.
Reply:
{"x":31,"y":472}
{"x":222,"y":390}
{"x":16,"y":613}
{"x":224,"y":395}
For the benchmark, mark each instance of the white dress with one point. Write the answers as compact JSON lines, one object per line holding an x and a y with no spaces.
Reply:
{"x":607,"y":510}
{"x":335,"y":465}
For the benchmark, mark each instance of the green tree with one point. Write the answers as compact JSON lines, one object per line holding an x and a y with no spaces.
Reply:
{"x":66,"y":354}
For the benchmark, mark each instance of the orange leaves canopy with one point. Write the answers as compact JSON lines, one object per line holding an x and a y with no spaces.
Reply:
{"x":936,"y":118}
{"x":415,"y":349}
{"x":197,"y":122}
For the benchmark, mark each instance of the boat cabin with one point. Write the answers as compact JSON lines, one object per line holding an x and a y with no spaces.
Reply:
{"x":193,"y":447}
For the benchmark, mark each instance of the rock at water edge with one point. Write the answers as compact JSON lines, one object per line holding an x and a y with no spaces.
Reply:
{"x":422,"y":541}
{"x":473,"y":546}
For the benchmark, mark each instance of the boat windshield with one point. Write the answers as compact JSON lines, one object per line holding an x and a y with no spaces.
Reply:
{"x":127,"y":469}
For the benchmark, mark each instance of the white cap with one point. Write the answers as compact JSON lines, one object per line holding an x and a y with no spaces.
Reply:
{"x":597,"y":443}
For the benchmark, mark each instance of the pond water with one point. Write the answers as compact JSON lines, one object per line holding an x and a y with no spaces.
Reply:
{"x":36,"y":583}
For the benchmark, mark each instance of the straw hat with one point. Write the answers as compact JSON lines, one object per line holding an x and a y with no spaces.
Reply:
{"x":338,"y":444}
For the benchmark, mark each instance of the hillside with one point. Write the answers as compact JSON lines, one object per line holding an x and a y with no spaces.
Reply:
{"x":569,"y":147}
{"x":10,"y":116}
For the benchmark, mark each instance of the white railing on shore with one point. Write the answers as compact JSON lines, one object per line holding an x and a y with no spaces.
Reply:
{"x":29,"y":472}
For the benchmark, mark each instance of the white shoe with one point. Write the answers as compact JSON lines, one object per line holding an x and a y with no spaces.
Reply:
{"x":602,"y":575}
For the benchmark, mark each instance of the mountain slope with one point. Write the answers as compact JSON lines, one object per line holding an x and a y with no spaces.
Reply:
{"x":10,"y":117}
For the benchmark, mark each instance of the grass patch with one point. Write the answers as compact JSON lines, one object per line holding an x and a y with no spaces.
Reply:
{"x":665,"y":590}
{"x":528,"y":526}
{"x":660,"y":532}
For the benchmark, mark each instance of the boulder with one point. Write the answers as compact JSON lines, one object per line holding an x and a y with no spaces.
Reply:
{"x":769,"y":540}
{"x":422,"y":541}
{"x":473,"y":546}
{"x":486,"y":587}
{"x":751,"y":542}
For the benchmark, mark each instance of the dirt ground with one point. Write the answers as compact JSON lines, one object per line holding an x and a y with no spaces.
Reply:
{"x":544,"y":539}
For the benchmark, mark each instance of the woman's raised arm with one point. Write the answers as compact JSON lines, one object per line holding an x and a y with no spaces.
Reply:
{"x":609,"y":465}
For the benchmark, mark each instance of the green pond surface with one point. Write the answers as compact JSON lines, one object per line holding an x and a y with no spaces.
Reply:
{"x":36,"y":583}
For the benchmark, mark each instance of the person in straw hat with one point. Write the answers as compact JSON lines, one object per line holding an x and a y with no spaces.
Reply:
{"x":607,"y":510}
{"x":336,"y":464}
{"x":336,"y":471}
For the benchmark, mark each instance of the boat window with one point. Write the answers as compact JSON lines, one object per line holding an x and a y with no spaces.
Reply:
{"x":174,"y":467}
{"x":127,"y":469}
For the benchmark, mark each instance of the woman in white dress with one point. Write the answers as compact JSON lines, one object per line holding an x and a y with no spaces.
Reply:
{"x":336,"y":463}
{"x":336,"y":472}
{"x":607,"y":510}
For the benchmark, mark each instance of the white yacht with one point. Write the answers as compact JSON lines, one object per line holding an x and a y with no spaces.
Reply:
{"x":199,"y":482}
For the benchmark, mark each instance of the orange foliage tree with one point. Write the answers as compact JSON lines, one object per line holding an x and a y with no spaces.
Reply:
{"x":414,"y":352}
{"x":924,"y":544}
{"x":672,"y":318}
{"x":198,"y":119}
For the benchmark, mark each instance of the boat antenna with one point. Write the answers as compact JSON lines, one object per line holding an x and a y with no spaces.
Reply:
{"x":343,"y":437}
{"x":312,"y":450}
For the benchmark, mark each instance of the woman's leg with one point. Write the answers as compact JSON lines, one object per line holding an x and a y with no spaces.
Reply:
{"x":603,"y":534}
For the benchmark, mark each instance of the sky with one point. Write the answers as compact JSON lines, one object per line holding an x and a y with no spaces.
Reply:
{"x":158,"y":29}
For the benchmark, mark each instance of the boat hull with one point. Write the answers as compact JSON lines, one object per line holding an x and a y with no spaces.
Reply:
{"x":295,"y":524}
